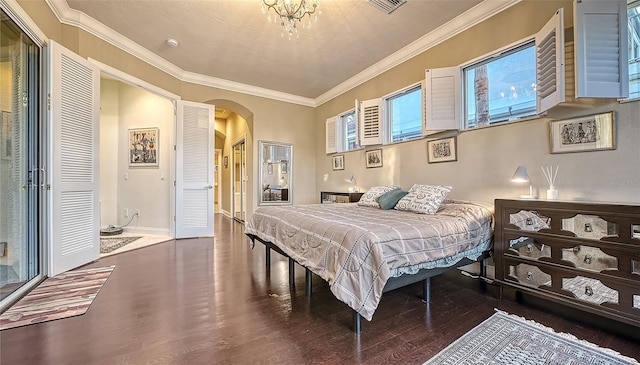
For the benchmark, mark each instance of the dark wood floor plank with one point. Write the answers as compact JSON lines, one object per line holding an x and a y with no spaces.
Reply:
{"x":212,"y":301}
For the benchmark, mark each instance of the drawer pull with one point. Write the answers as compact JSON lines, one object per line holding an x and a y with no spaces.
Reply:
{"x":576,"y":249}
{"x":529,"y":275}
{"x":587,"y":259}
{"x":588,"y":290}
{"x":529,"y":248}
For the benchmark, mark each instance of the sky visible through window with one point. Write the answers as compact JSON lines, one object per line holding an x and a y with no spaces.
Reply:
{"x":511,"y":86}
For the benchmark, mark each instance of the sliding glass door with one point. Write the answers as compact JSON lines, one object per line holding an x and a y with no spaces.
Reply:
{"x":20,"y":254}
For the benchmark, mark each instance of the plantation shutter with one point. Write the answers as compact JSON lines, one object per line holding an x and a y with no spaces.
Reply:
{"x":550,"y":68}
{"x":370,"y":122}
{"x":442,"y":99}
{"x":600,"y":36}
{"x":331,"y":127}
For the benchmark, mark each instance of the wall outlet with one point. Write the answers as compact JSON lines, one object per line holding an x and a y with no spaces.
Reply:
{"x":138,"y":212}
{"x":125,"y":212}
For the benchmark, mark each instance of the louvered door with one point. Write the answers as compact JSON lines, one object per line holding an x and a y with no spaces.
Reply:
{"x":74,"y":92}
{"x":194,"y":170}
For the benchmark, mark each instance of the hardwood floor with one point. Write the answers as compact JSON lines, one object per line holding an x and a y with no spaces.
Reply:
{"x":211,"y":301}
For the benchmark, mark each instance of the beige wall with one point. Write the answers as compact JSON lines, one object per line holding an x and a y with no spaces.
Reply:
{"x":488,"y":157}
{"x":147,"y":189}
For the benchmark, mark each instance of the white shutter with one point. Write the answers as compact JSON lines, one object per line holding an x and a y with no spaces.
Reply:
{"x":331,"y":128}
{"x":600,"y":36}
{"x":370,"y":122}
{"x":194,"y":169}
{"x":442,"y":99}
{"x":74,"y":88}
{"x":550,"y":70}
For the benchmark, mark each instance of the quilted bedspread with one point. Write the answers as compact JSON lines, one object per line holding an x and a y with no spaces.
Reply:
{"x":356,"y":248}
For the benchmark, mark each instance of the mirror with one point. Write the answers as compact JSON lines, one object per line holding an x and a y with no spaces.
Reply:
{"x":276,"y":172}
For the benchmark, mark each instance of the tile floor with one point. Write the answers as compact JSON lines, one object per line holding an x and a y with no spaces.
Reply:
{"x":143,"y":241}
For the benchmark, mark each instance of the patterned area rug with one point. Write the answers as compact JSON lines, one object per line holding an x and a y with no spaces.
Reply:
{"x":108,"y":244}
{"x":66,"y":295}
{"x":508,"y":339}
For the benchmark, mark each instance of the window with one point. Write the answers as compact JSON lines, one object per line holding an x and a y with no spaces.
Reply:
{"x":633,"y":14}
{"x":342,"y":133}
{"x":404,"y":114}
{"x":348,"y":125}
{"x":501,"y":87}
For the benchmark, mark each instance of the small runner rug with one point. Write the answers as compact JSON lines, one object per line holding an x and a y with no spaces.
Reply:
{"x":108,"y":244}
{"x":508,"y":339}
{"x":65,"y":295}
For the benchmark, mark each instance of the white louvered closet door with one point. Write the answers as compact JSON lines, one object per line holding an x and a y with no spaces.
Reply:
{"x":73,"y":117}
{"x":194,"y":170}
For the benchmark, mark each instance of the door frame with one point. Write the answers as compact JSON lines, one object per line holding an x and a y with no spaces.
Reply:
{"x":242,"y":139}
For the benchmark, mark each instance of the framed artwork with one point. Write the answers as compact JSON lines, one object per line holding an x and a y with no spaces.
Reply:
{"x":589,"y":133}
{"x":6,"y":136}
{"x":442,"y":150}
{"x":143,"y":147}
{"x":374,"y":158}
{"x":337,"y":162}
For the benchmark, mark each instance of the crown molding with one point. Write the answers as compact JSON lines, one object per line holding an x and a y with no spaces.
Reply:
{"x":75,"y":18}
{"x":473,"y":16}
{"x":462,"y":22}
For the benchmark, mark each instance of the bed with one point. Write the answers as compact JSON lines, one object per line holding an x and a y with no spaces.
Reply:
{"x":363,"y":251}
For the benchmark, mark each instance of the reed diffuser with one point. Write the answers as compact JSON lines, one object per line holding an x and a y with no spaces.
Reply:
{"x":550,"y":175}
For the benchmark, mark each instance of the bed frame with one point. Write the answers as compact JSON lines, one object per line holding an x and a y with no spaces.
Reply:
{"x":393,"y":283}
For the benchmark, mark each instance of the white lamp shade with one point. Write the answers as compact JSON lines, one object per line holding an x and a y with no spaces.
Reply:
{"x":520,"y":175}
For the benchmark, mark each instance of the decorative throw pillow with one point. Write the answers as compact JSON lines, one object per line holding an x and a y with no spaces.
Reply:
{"x":369,"y":199}
{"x":423,"y":199}
{"x":389,"y":199}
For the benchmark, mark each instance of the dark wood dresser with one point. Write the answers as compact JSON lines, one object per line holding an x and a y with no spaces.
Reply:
{"x":584,"y":255}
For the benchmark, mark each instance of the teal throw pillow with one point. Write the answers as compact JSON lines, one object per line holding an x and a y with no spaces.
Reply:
{"x":389,"y":199}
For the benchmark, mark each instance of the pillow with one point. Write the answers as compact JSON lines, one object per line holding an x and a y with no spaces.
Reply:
{"x":369,"y":199}
{"x":424,"y":199}
{"x":389,"y":199}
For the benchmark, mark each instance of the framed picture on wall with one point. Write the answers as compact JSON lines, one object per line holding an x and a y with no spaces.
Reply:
{"x":337,"y":162}
{"x":143,"y":147}
{"x":442,"y":150}
{"x":373,"y":158}
{"x":590,"y":133}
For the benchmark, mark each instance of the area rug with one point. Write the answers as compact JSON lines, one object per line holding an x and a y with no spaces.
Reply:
{"x":508,"y":339}
{"x":108,"y":244}
{"x":65,"y":295}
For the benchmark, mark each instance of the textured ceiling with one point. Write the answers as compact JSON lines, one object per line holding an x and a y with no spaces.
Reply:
{"x":232,"y":40}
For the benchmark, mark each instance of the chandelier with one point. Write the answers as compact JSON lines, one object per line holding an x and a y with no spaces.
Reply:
{"x":291,"y":13}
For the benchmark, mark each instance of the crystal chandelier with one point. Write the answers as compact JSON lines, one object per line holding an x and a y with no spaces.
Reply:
{"x":291,"y":13}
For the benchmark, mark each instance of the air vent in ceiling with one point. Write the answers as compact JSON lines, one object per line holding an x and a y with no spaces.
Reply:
{"x":388,"y":6}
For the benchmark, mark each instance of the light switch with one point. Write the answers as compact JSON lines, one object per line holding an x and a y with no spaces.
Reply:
{"x":126,"y":176}
{"x":162,"y":176}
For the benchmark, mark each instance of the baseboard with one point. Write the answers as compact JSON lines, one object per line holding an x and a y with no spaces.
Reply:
{"x":147,"y":230}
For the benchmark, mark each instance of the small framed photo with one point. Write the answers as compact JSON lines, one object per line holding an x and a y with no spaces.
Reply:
{"x":442,"y":150}
{"x":143,"y":147}
{"x":589,"y":133}
{"x":374,"y":158}
{"x":337,"y":162}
